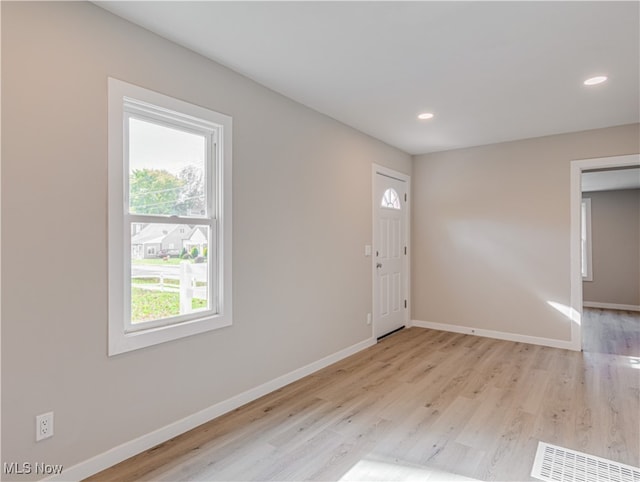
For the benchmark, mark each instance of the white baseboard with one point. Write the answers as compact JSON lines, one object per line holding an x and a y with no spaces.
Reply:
{"x":133,"y":447}
{"x":610,"y":306}
{"x":499,"y":335}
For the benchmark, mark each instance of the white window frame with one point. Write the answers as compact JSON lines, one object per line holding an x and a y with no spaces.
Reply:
{"x":127,"y":100}
{"x":585,"y":237}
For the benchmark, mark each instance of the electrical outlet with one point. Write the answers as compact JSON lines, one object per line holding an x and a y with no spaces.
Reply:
{"x":368,"y":318}
{"x":44,"y":426}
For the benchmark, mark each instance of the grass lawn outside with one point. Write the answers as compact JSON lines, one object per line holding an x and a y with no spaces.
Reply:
{"x":169,"y":282}
{"x":160,"y":261}
{"x":149,"y":305}
{"x":154,"y":281}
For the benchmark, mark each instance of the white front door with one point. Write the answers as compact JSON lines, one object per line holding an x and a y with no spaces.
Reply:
{"x":390,"y":251}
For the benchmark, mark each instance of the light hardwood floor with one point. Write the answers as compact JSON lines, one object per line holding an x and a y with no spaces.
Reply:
{"x":421,"y":405}
{"x":614,"y":332}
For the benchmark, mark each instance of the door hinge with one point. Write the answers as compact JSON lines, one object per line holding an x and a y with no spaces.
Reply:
{"x":405,"y":197}
{"x":405,"y":250}
{"x":405,"y":303}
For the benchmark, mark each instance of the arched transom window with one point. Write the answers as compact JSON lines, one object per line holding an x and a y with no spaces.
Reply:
{"x":390,"y":199}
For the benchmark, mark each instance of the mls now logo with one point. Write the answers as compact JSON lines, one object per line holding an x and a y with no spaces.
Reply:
{"x":26,"y":468}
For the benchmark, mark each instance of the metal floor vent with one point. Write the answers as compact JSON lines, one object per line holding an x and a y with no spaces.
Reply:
{"x":557,"y":464}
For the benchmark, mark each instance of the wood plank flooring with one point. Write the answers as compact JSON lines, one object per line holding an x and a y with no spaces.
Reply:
{"x":421,"y":405}
{"x":614,"y":332}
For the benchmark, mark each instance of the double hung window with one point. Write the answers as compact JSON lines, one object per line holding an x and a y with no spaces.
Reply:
{"x":169,"y":218}
{"x":585,"y":240}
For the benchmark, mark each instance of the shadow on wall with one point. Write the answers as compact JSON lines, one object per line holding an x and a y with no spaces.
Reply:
{"x":508,"y":264}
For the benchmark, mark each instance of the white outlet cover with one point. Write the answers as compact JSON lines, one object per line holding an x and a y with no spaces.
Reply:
{"x":44,"y":426}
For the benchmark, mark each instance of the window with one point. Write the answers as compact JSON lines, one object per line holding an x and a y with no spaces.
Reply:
{"x":169,"y":218}
{"x":390,"y":199}
{"x":585,"y":223}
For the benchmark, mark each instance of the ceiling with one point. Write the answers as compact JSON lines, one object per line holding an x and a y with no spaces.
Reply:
{"x":611,"y":179}
{"x":488,"y":71}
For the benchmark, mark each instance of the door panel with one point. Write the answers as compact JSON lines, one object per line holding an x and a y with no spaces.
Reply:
{"x":390,"y":218}
{"x":383,"y":295}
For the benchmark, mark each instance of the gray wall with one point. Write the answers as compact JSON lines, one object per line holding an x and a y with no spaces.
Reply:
{"x":615,"y":239}
{"x":490,"y":231}
{"x":302,"y":215}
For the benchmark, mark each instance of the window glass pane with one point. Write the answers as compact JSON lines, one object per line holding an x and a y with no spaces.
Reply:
{"x":169,"y":270}
{"x":166,"y":170}
{"x":390,"y":199}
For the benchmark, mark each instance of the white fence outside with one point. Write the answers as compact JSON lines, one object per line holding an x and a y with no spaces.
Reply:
{"x":190,"y":275}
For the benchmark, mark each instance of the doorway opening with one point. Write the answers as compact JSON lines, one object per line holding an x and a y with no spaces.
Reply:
{"x":578,"y":167}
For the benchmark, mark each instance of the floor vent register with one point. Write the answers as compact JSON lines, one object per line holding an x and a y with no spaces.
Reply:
{"x":557,"y":464}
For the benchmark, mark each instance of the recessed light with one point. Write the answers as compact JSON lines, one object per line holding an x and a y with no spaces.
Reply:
{"x":595,"y":80}
{"x":425,"y":116}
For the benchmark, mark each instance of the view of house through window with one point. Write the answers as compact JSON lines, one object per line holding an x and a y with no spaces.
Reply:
{"x":167,"y":169}
{"x":169,"y":218}
{"x":169,"y":270}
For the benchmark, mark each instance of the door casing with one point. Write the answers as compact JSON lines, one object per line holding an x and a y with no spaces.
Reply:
{"x":575,"y":248}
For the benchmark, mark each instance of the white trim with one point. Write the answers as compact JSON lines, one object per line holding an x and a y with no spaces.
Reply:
{"x":610,"y":306}
{"x":575,"y":235}
{"x":498,"y":335}
{"x":0,"y":244}
{"x":385,"y":171}
{"x":587,"y":262}
{"x":133,"y":447}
